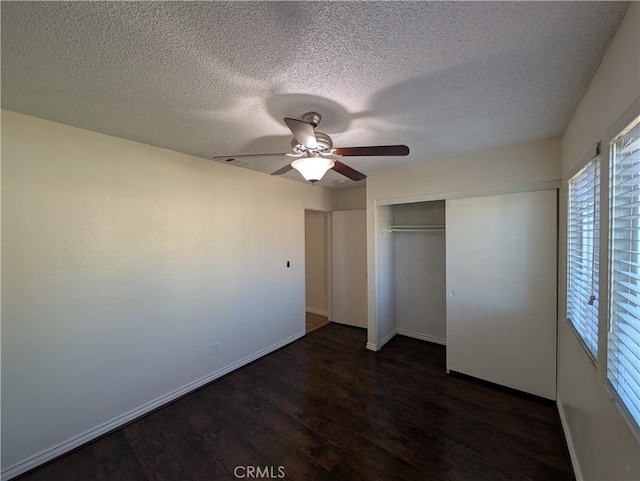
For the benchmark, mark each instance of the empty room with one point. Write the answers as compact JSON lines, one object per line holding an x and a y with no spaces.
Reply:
{"x":320,"y":240}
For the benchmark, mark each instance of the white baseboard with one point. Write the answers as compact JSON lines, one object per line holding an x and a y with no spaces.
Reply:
{"x":572,"y":451}
{"x":315,"y":310}
{"x":77,"y":441}
{"x":359,"y":326}
{"x":404,"y":332}
{"x":422,"y":337}
{"x":386,"y":338}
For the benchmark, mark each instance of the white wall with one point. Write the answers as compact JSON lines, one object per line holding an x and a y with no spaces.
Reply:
{"x":316,"y":262}
{"x":122,"y":265}
{"x":601,"y":444}
{"x":518,"y":164}
{"x":420,"y":285}
{"x":350,"y":199}
{"x":420,"y":272}
{"x":514,"y":166}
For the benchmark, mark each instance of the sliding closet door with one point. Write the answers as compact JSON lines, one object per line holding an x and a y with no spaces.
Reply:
{"x":501,"y":289}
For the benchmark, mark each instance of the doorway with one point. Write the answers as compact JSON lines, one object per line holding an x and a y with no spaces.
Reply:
{"x":317,"y":227}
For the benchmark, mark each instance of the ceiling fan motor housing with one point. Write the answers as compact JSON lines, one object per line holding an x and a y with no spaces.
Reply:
{"x":312,"y":118}
{"x":324,"y":143}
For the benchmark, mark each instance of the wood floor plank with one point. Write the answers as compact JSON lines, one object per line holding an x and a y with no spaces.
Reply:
{"x":107,"y":458}
{"x":255,"y":425}
{"x":373,"y":416}
{"x":350,"y":463}
{"x":325,"y":408}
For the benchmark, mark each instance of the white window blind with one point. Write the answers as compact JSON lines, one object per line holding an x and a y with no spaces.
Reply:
{"x":582,"y":253}
{"x":623,"y":359}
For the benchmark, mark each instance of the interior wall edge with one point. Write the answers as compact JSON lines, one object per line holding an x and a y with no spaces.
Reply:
{"x":387,"y":338}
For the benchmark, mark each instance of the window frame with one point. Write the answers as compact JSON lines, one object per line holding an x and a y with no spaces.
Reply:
{"x":593,"y":157}
{"x":607,"y":287}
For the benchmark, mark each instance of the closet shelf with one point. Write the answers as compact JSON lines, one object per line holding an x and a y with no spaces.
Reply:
{"x":412,"y":228}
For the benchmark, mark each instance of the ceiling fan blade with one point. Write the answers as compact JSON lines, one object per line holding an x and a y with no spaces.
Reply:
{"x":347,"y":171}
{"x":303,"y":132}
{"x":373,"y":150}
{"x":284,"y":170}
{"x":229,"y":158}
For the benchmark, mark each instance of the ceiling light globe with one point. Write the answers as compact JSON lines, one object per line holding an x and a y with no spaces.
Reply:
{"x":313,"y":168}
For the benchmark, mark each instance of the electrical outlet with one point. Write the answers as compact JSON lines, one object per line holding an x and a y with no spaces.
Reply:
{"x":216,"y":348}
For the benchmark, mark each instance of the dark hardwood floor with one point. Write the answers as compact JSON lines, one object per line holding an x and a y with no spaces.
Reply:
{"x":324,"y":408}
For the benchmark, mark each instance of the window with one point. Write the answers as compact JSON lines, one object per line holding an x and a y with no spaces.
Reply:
{"x":582,"y":256}
{"x":623,"y":343}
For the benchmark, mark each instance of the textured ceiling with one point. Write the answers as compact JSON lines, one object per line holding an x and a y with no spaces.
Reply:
{"x":216,"y":78}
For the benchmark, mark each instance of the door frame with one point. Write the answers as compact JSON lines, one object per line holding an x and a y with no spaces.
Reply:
{"x":327,"y":241}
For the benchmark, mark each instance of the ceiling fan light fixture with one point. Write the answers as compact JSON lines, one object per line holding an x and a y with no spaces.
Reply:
{"x":313,"y":168}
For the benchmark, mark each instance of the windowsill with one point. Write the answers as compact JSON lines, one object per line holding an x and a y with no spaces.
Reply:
{"x":628,"y":419}
{"x":587,"y":351}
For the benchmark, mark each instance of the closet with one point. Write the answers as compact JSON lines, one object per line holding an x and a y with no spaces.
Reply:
{"x":418,"y":231}
{"x":478,"y":274}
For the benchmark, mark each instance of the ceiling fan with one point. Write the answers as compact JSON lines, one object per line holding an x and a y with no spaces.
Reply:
{"x":314,"y":152}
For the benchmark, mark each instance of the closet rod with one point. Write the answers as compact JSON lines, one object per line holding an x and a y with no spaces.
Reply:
{"x":416,"y":230}
{"x":413,"y":228}
{"x":432,"y":226}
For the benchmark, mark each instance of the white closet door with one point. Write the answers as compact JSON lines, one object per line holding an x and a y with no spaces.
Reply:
{"x":349,"y":267}
{"x":501,"y":286}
